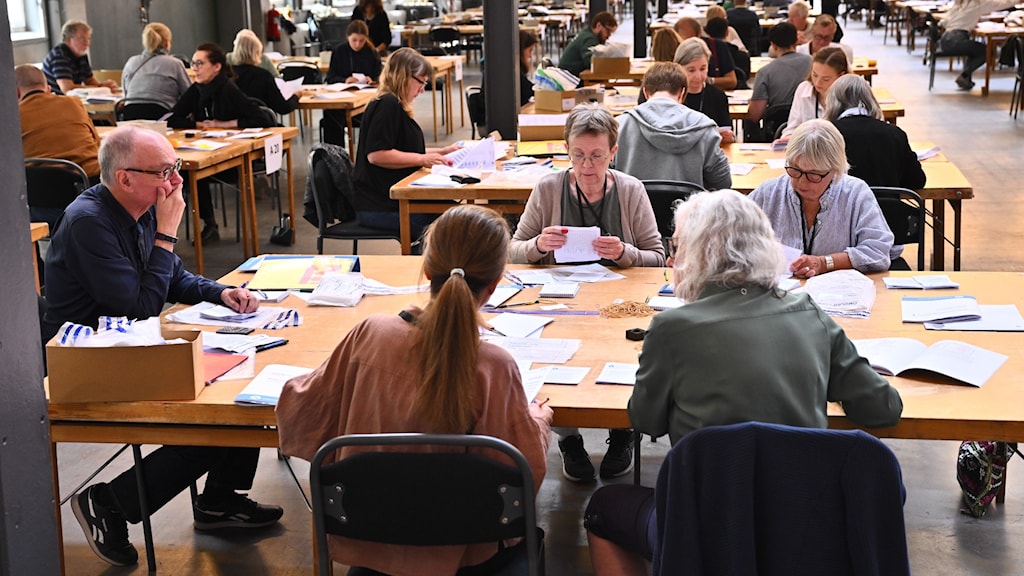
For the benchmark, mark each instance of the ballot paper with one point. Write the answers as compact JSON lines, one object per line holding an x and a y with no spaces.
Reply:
{"x":618,"y":373}
{"x":477,"y":157}
{"x":579,"y":244}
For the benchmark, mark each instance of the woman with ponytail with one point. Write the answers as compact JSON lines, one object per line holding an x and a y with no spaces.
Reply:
{"x":424,"y":370}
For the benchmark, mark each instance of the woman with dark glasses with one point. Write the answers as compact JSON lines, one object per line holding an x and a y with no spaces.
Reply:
{"x":831,"y":217}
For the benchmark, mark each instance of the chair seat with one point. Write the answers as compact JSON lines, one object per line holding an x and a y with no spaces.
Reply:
{"x":354,"y":230}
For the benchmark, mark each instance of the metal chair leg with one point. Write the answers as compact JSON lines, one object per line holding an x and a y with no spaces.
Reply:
{"x":147,"y":528}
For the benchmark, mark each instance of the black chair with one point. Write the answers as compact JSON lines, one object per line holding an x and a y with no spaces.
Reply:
{"x":757,"y":498}
{"x":932,"y":50}
{"x":773,"y":117}
{"x":292,"y":69}
{"x":476,"y":107}
{"x":1017,"y":98}
{"x":338,"y":222}
{"x":139,"y":111}
{"x":447,"y":38}
{"x":742,"y":61}
{"x":904,"y":212}
{"x":420,"y":498}
{"x":664,"y":195}
{"x":332,"y":32}
{"x":52,"y":184}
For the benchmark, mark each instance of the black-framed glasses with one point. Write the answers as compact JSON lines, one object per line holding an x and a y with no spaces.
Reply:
{"x":672,"y":246}
{"x":164,"y":174}
{"x":422,"y":82}
{"x":196,"y":64}
{"x":812,"y":177}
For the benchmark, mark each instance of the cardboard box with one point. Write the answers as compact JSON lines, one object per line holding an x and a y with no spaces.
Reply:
{"x":127,"y":373}
{"x":541,"y":126}
{"x":566,"y":100}
{"x":609,"y":65}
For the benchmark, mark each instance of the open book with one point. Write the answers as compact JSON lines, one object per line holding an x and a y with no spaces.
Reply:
{"x":958,"y":360}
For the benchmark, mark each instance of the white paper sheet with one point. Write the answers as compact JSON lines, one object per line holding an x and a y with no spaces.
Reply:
{"x":518,"y":325}
{"x":618,"y":373}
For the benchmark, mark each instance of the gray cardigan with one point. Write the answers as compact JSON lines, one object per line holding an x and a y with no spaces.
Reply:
{"x":544,"y":208}
{"x":158,"y":78}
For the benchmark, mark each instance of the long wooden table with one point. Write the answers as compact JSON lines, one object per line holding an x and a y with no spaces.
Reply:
{"x":352,"y":105}
{"x":891,"y":108}
{"x":934,"y":407}
{"x":862,"y":66}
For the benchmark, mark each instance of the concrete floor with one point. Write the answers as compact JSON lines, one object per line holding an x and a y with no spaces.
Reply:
{"x":974,"y":131}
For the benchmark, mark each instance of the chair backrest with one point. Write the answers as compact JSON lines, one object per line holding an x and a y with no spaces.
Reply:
{"x":332,"y":32}
{"x":270,"y":118}
{"x":422,"y":498}
{"x":309,"y":72}
{"x":53,"y":183}
{"x":767,"y":499}
{"x":476,"y":106}
{"x":445,"y":37}
{"x":904,"y":212}
{"x":139,"y":111}
{"x":432,"y":51}
{"x":664,"y":194}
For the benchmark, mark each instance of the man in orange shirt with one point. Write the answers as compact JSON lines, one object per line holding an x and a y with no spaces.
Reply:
{"x":55,"y":126}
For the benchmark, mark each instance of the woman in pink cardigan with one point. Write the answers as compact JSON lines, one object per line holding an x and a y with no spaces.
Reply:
{"x":424,"y":370}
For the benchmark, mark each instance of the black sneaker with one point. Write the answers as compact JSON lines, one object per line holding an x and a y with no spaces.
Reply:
{"x":964,"y":83}
{"x":211,"y":234}
{"x":619,"y":458}
{"x":576,"y":464}
{"x":105,"y":527}
{"x":235,"y":511}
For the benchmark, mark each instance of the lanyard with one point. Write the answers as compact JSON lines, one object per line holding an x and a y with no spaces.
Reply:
{"x":808,"y":243}
{"x":582,"y":199}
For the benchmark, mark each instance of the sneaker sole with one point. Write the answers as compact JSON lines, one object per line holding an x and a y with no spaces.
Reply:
{"x":627,"y":470}
{"x":222,"y":524}
{"x":80,"y":516}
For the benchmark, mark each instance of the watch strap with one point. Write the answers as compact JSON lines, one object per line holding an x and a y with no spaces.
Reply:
{"x":166,"y":237}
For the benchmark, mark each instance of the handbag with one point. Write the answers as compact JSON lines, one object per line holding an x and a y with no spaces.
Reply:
{"x":283,"y":234}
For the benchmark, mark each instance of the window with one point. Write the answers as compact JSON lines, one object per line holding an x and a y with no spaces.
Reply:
{"x":26,"y":18}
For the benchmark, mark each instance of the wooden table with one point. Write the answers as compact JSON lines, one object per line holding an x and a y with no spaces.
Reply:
{"x":891,"y":109}
{"x":862,"y":66}
{"x":934,"y":408}
{"x":993,"y":35}
{"x":446,"y":66}
{"x":945,"y":183}
{"x":287,"y":133}
{"x":352,"y":106}
{"x":37,"y":231}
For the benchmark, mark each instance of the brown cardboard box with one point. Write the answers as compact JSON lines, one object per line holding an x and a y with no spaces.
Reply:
{"x":566,"y":100}
{"x":127,"y":373}
{"x":610,"y":65}
{"x":541,"y":126}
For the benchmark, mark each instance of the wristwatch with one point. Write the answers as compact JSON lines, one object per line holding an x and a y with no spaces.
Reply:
{"x":830,"y":264}
{"x":166,"y":237}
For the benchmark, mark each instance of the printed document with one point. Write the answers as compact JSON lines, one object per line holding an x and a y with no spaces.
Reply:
{"x":958,"y":360}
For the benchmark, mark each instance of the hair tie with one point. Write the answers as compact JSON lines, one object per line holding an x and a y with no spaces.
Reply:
{"x":457,"y":271}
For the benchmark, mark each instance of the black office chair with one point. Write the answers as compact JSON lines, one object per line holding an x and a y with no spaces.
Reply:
{"x":904,"y":212}
{"x":447,"y":38}
{"x":423,"y":499}
{"x":773,"y":117}
{"x":1017,"y":98}
{"x":335,"y":216}
{"x":52,"y":184}
{"x":308,"y":71}
{"x":477,"y":109}
{"x":139,"y":111}
{"x":332,"y":32}
{"x":664,"y":195}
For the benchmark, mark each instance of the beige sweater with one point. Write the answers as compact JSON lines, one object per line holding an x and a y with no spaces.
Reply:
{"x":367,"y":386}
{"x":544,"y":208}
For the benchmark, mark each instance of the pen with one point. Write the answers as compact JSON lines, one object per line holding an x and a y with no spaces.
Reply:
{"x":543,"y":402}
{"x":520,"y":304}
{"x":244,"y":284}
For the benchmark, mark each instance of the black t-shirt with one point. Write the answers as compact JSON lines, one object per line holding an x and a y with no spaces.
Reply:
{"x":385,"y":126}
{"x":713,"y":103}
{"x":720,"y":62}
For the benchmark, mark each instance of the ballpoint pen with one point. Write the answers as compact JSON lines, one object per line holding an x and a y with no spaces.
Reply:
{"x":520,"y":304}
{"x":543,"y":402}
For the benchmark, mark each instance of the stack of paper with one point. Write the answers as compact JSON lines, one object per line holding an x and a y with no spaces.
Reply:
{"x":543,"y":350}
{"x":920,"y":282}
{"x":265,"y":388}
{"x":225,"y":314}
{"x":845,"y":293}
{"x":940,"y":309}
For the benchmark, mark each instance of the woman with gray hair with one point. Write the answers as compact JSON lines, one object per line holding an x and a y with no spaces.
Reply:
{"x":154,"y":80}
{"x":832,"y":218}
{"x":590,"y":194}
{"x":705,"y":98}
{"x":786,"y":359}
{"x":878,"y":152}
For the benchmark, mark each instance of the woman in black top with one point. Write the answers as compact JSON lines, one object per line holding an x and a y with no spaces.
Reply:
{"x":355,"y":56}
{"x":257,"y":82}
{"x":391,"y":144}
{"x":214,"y":101}
{"x":692,"y":55}
{"x":372,"y":12}
{"x":878,"y":152}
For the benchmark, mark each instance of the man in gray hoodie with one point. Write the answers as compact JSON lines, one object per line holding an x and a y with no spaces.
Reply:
{"x":662,"y":139}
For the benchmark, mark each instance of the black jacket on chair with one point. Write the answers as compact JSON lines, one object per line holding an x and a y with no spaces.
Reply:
{"x":879,"y":153}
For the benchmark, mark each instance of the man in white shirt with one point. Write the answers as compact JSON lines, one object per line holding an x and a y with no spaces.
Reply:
{"x":823,"y":33}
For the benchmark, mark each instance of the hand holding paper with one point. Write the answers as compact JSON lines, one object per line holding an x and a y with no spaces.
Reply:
{"x":579,"y":244}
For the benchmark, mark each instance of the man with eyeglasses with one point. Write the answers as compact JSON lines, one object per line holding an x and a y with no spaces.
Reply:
{"x":67,"y":65}
{"x":823,"y":33}
{"x":112,"y":254}
{"x":576,"y":57}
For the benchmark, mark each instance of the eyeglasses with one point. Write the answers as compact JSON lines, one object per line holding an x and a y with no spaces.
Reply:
{"x":422,"y":82}
{"x":164,"y":174}
{"x":672,"y":244}
{"x":595,"y":159}
{"x":196,"y":64}
{"x":812,"y":177}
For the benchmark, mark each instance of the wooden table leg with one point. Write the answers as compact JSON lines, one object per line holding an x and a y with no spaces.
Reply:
{"x":35,"y":263}
{"x":247,"y":196}
{"x":938,"y":234}
{"x":433,"y":97}
{"x":957,"y":213}
{"x":405,"y":227}
{"x":990,"y":60}
{"x":197,"y":237}
{"x":462,"y":102}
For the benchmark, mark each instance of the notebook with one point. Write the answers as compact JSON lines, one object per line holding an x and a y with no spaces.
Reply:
{"x":560,"y":290}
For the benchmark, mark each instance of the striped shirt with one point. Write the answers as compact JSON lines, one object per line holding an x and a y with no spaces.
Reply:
{"x":61,"y":62}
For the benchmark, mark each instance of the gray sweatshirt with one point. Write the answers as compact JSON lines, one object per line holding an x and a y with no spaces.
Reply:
{"x":663,"y":140}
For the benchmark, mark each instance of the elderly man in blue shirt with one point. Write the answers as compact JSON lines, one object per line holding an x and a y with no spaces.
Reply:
{"x":112,"y":254}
